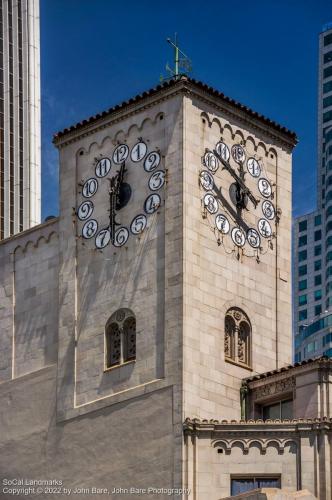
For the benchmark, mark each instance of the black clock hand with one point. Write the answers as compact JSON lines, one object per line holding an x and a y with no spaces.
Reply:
{"x":113,"y":199}
{"x":238,"y":179}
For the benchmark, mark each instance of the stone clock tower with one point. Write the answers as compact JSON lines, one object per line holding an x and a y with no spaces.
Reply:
{"x":172,"y":285}
{"x":163,"y":213}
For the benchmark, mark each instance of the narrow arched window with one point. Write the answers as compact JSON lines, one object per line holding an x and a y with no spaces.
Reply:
{"x":120,"y":338}
{"x":237,"y":337}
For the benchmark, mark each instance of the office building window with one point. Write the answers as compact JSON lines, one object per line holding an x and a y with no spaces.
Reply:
{"x":318,"y":310}
{"x":318,"y":265}
{"x":302,"y":241}
{"x":328,"y":353}
{"x":327,"y":101}
{"x":318,"y":295}
{"x":302,"y":226}
{"x":303,"y":315}
{"x":297,"y":357}
{"x":318,"y":219}
{"x":328,"y":57}
{"x":303,"y":270}
{"x":302,"y":285}
{"x":328,"y":72}
{"x":327,"y":39}
{"x":318,"y":250}
{"x":318,"y":235}
{"x":328,"y":241}
{"x":312,"y":347}
{"x":318,"y":280}
{"x":327,"y":339}
{"x":327,"y":87}
{"x":302,"y":300}
{"x":328,"y":115}
{"x":303,"y":254}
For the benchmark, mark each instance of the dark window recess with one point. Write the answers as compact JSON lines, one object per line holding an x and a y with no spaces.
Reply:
{"x":318,"y":250}
{"x":318,"y":280}
{"x":318,"y":235}
{"x":328,"y":57}
{"x":243,"y":484}
{"x":302,"y":226}
{"x":278,"y":410}
{"x":318,"y":310}
{"x":327,"y":39}
{"x":327,"y":101}
{"x":302,"y":240}
{"x":318,"y":218}
{"x":303,"y":255}
{"x":327,"y":87}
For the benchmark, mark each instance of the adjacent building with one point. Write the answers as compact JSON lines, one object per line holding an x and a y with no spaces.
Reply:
{"x":312,"y":273}
{"x":20,"y":176}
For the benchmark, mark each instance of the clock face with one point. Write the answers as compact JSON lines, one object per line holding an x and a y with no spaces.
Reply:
{"x":123,"y":189}
{"x":237,"y":198}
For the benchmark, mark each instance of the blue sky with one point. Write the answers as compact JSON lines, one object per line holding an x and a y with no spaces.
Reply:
{"x":263,"y":53}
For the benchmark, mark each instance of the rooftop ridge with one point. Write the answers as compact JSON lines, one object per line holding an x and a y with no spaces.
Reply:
{"x":182,"y":81}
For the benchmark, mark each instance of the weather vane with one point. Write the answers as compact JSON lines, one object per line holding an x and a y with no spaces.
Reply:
{"x":182,"y":63}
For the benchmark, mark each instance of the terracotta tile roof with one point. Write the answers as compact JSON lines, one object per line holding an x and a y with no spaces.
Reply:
{"x":319,"y":359}
{"x":183,"y":82}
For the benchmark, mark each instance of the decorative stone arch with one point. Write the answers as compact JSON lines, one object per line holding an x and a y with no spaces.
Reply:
{"x":237,"y":337}
{"x":120,"y":338}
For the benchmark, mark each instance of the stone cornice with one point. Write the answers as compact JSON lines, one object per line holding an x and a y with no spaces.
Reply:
{"x":217,"y":427}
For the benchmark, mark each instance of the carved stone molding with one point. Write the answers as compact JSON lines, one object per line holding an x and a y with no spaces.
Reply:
{"x":277,"y":387}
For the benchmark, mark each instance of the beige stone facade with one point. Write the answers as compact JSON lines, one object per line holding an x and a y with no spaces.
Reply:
{"x":140,"y":423}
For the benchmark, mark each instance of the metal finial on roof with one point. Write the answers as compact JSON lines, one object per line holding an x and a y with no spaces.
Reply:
{"x":182,"y":63}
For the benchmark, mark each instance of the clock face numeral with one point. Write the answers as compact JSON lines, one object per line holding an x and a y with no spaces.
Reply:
{"x":103,"y":238}
{"x":152,"y":203}
{"x":253,"y":167}
{"x":222,"y":224}
{"x":206,"y":180}
{"x":210,"y":203}
{"x":103,"y":167}
{"x":238,"y":237}
{"x":223,"y":150}
{"x":264,"y":228}
{"x":138,"y":224}
{"x":89,"y":229}
{"x":265,"y":188}
{"x":157,"y":180}
{"x":152,"y":161}
{"x":90,"y":187}
{"x":85,"y":210}
{"x":253,"y":238}
{"x":120,"y":153}
{"x":121,"y":236}
{"x":138,"y":152}
{"x":238,"y":153}
{"x":268,"y":210}
{"x":211,"y":162}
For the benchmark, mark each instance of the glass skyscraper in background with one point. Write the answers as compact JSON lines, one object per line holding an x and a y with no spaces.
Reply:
{"x":19,"y":116}
{"x":312,"y":273}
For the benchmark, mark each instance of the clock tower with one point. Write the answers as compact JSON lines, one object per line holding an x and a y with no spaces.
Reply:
{"x":175,"y":258}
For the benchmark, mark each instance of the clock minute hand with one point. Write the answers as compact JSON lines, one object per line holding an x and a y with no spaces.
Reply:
{"x":238,"y":179}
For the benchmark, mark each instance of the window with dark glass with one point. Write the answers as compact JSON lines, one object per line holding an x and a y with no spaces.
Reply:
{"x":303,"y":270}
{"x":318,"y":265}
{"x":328,"y":115}
{"x":318,"y":250}
{"x":303,"y":255}
{"x":302,"y":300}
{"x":318,"y":235}
{"x":303,"y":315}
{"x":302,"y":285}
{"x":247,"y":483}
{"x":318,"y":220}
{"x":327,"y":87}
{"x":327,"y":39}
{"x":328,"y":57}
{"x":318,"y":309}
{"x":328,"y":72}
{"x":318,"y":295}
{"x":327,"y":101}
{"x":302,"y":241}
{"x":318,"y":279}
{"x":302,"y":226}
{"x":297,"y":357}
{"x":278,"y":410}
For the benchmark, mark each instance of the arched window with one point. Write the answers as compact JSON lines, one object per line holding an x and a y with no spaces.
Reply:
{"x":237,"y":340}
{"x":120,"y":336}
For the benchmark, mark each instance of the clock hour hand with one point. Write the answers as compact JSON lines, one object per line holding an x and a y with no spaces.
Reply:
{"x":238,"y":179}
{"x":113,"y":194}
